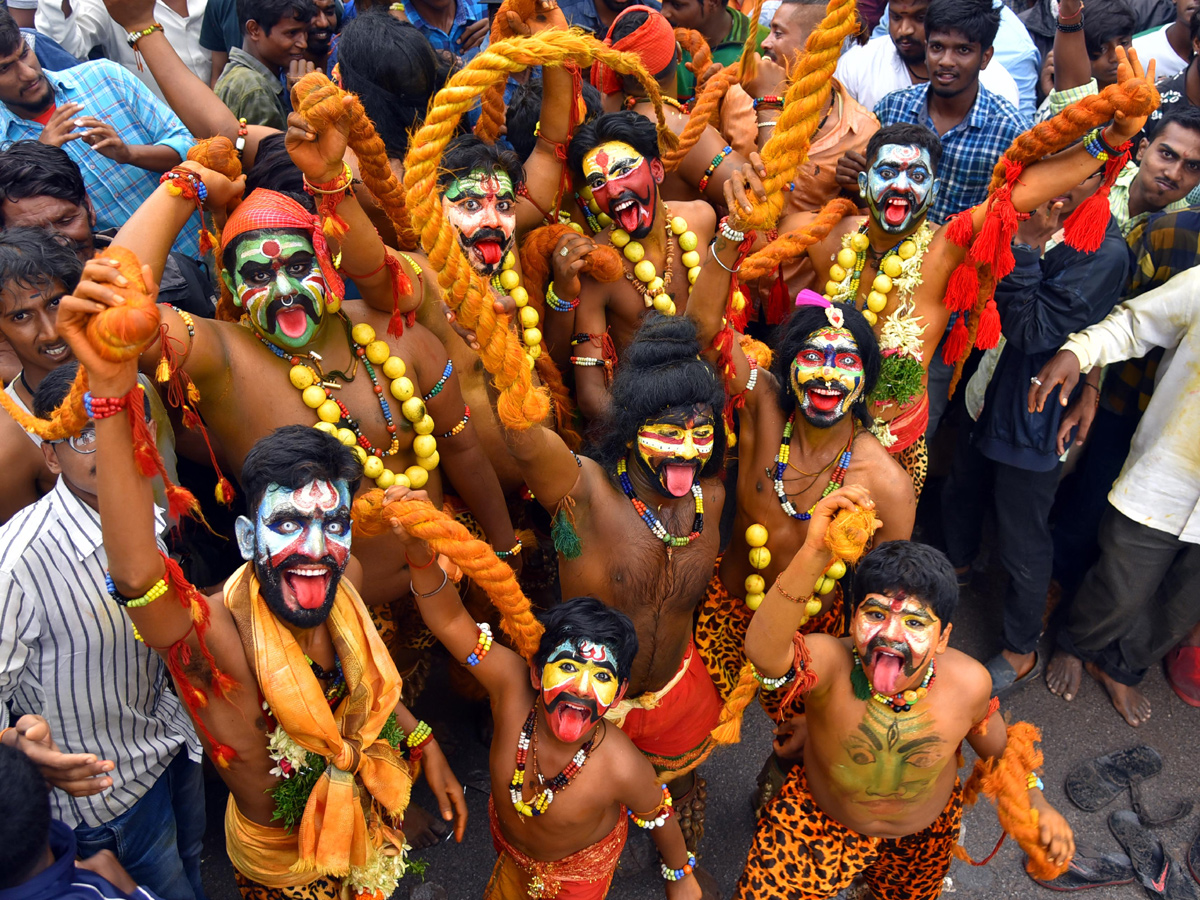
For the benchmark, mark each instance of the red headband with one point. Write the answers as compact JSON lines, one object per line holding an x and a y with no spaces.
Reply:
{"x":653,"y":41}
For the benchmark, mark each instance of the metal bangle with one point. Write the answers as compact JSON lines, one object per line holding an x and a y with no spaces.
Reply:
{"x":712,"y":254}
{"x":438,"y":590}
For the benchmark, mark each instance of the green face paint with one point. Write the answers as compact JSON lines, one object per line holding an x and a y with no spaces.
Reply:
{"x":482,"y":207}
{"x":279,"y":284}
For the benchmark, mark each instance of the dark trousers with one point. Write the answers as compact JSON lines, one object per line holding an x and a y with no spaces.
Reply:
{"x":1022,"y":501}
{"x":1135,"y":604}
{"x":1084,"y":499}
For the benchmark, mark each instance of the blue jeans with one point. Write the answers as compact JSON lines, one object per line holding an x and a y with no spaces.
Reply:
{"x":158,"y":840}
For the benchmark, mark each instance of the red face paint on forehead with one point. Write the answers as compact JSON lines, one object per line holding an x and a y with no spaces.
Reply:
{"x":897,"y":604}
{"x":597,"y":653}
{"x":602,"y":159}
{"x":315,"y":495}
{"x":270,"y":249}
{"x":907,"y":153}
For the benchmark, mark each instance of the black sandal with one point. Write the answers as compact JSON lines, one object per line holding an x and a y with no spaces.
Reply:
{"x":1095,"y":783}
{"x":1155,"y":868}
{"x":1092,"y":869}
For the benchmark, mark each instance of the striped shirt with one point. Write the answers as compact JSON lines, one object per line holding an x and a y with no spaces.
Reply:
{"x":67,"y":652}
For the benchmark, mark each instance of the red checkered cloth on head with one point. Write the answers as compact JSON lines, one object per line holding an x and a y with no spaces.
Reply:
{"x":653,"y":41}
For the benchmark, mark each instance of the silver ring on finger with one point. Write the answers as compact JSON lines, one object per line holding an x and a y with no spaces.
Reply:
{"x":1035,"y":380}
{"x":564,"y":251}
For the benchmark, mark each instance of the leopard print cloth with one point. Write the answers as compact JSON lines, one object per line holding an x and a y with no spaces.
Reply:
{"x":915,"y":460}
{"x":323,"y":888}
{"x":800,"y":853}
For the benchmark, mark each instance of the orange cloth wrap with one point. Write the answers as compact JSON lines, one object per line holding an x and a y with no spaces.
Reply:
{"x":653,"y":42}
{"x":333,"y":834}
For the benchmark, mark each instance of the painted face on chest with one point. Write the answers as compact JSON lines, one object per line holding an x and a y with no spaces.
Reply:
{"x":625,"y":185}
{"x":300,"y":545}
{"x":579,"y":685}
{"x":279,"y":284}
{"x":482,"y":207}
{"x":896,"y":638}
{"x":900,"y":186}
{"x":675,"y":447}
{"x":827,"y":376}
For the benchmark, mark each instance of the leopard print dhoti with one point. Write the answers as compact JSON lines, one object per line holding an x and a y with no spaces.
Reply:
{"x":801,"y":853}
{"x":915,"y":461}
{"x":323,"y":888}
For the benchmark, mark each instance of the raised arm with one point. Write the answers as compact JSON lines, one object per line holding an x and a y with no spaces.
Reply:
{"x":552,"y":471}
{"x":1072,"y":68}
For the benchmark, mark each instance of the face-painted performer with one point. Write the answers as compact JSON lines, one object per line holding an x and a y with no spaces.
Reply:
{"x":676,"y":445}
{"x":827,"y":376}
{"x":624,"y":184}
{"x":479,"y":185}
{"x":579,"y":684}
{"x":899,"y":186}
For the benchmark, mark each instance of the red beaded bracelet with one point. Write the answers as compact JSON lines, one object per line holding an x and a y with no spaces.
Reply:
{"x":103,"y":407}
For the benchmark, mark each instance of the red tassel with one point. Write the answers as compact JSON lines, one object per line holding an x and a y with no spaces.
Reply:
{"x":224,"y":491}
{"x":960,"y":229}
{"x":963,"y":288}
{"x":401,"y":287}
{"x":957,"y":342}
{"x":987,"y":335}
{"x":1084,"y":229}
{"x":777,"y":299}
{"x":987,"y":242}
{"x":181,"y":502}
{"x":723,"y":344}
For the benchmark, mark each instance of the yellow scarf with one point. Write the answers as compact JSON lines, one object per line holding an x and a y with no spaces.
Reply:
{"x":334,"y":833}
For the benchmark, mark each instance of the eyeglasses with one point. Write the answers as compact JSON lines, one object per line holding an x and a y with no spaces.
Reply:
{"x":84,"y":442}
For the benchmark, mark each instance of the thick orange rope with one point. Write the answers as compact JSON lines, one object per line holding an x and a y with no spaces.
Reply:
{"x":492,"y":109}
{"x":476,"y":558}
{"x":694,"y":43}
{"x":794,"y":244}
{"x":748,"y":64}
{"x":520,"y":405}
{"x":1003,"y":781}
{"x":320,"y":101}
{"x":217,"y":153}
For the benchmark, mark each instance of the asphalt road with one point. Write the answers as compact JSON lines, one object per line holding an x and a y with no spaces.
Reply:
{"x":1086,"y":727}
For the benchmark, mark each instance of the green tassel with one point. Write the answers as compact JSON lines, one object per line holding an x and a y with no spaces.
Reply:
{"x":566,"y":539}
{"x":858,"y":681}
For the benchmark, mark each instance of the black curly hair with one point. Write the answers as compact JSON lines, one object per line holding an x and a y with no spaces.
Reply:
{"x":586,"y":618}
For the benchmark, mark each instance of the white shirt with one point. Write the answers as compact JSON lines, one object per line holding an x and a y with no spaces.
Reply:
{"x":1160,"y":484}
{"x":873,"y":70}
{"x":1154,"y":45}
{"x":67,"y":653}
{"x":90,"y":25}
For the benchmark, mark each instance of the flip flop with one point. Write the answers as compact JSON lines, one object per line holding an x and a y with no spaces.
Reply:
{"x":1092,"y":869}
{"x":1183,"y":673}
{"x":1194,"y":858}
{"x":1095,"y":783}
{"x":1004,"y":676}
{"x":1155,"y":868}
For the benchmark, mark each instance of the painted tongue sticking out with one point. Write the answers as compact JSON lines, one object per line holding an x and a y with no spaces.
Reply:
{"x":885,"y":672}
{"x":895,"y":210}
{"x":570,"y":722}
{"x":678,"y":478}
{"x":628,"y":217}
{"x":309,"y":590}
{"x":293,"y":321}
{"x":489,"y":252}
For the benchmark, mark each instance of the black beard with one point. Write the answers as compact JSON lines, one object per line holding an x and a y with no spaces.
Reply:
{"x":882,"y":643}
{"x":301,"y":299}
{"x":916,"y":59}
{"x":817,"y":418}
{"x":486,"y":234}
{"x":655,"y":475}
{"x":270,"y":580}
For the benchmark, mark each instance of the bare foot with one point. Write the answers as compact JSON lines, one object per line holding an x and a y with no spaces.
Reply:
{"x":1021,"y":662}
{"x":422,"y":829}
{"x":1063,"y":674}
{"x":1128,"y":700}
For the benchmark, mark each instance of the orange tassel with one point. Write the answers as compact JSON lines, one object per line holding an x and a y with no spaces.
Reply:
{"x":224,"y":491}
{"x":962,"y":289}
{"x":957,"y":342}
{"x":987,"y":335}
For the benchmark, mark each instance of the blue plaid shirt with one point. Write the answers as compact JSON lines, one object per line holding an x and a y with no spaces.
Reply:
{"x":110,"y":93}
{"x":468,"y":11}
{"x":969,"y":150}
{"x":582,"y":14}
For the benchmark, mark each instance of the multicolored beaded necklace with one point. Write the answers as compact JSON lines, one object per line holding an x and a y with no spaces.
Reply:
{"x":781,"y":464}
{"x":558,"y":783}
{"x":652,"y":522}
{"x":901,"y":702}
{"x":336,"y":689}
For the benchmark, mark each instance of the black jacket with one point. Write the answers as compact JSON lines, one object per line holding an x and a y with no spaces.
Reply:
{"x":1041,"y":303}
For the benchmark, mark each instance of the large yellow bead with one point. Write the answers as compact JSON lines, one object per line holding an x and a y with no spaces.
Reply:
{"x":533,"y":337}
{"x":424,"y":445}
{"x":510,"y":260}
{"x":634,"y":251}
{"x":812,"y":608}
{"x":847,"y":258}
{"x":907,"y":250}
{"x":693,"y":274}
{"x":378,"y":353}
{"x":373,"y":466}
{"x":575,"y":227}
{"x":328,"y":411}
{"x":655,"y":285}
{"x":520,"y":296}
{"x":385,"y":479}
{"x":824,"y":585}
{"x":876,"y":302}
{"x":332,"y":304}
{"x":837,"y":273}
{"x":832,"y":287}
{"x":394,"y":367}
{"x":402,"y":388}
{"x":688,"y":241}
{"x":670,"y":310}
{"x":430,"y":462}
{"x":400,"y":479}
{"x":528,"y":317}
{"x":413,"y":409}
{"x":756,"y":535}
{"x":534,"y":351}
{"x":603,"y":218}
{"x":661,"y":302}
{"x":301,"y":377}
{"x":619,"y":237}
{"x":691,"y":259}
{"x":836,"y":570}
{"x":347,"y":437}
{"x":509,"y":279}
{"x":327,"y":427}
{"x":362,"y":333}
{"x":678,"y":225}
{"x":644,"y":271}
{"x":360,"y":454}
{"x":892,"y":266}
{"x":870,"y":317}
{"x":760,"y":557}
{"x":424,"y":425}
{"x":755,"y":584}
{"x":313,"y":396}
{"x":754,"y":601}
{"x":882,"y":283}
{"x":417,"y":477}
{"x":859,"y":242}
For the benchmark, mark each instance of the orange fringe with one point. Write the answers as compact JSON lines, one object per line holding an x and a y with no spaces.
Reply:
{"x":794,"y":244}
{"x":219,"y":154}
{"x":1003,"y":781}
{"x":520,"y":404}
{"x":850,"y":532}
{"x":476,"y":558}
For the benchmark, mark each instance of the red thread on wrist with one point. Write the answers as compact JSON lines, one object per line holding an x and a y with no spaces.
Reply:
{"x":412,"y":565}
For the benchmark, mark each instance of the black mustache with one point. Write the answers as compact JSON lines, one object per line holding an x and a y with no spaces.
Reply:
{"x":486,"y":234}
{"x":299,"y":299}
{"x":907,"y":196}
{"x":882,"y":643}
{"x":585,"y":702}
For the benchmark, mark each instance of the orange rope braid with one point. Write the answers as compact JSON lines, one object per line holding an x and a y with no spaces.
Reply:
{"x":68,"y":419}
{"x":806,"y":98}
{"x":1003,"y":781}
{"x":748,"y":64}
{"x":697,"y":47}
{"x":794,"y":244}
{"x":320,"y":101}
{"x":445,"y":536}
{"x":492,"y":109}
{"x":729,"y":727}
{"x":217,"y":153}
{"x":520,"y":404}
